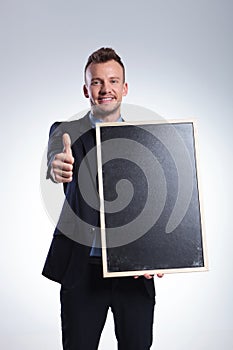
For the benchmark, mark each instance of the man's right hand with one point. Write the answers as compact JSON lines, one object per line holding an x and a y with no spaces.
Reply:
{"x":62,"y":164}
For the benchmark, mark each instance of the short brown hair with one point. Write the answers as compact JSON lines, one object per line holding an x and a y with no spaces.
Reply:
{"x":102,"y":55}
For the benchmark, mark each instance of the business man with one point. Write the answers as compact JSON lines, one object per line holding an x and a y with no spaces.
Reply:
{"x":73,"y":259}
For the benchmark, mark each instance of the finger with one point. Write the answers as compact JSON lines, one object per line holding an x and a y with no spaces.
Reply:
{"x":160,"y":275}
{"x":148,"y":276}
{"x":62,"y":162}
{"x":66,"y":144}
{"x":63,"y":173}
{"x":61,"y":179}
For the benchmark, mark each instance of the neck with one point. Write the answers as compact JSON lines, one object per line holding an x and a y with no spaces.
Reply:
{"x":104,"y":115}
{"x":108,"y":118}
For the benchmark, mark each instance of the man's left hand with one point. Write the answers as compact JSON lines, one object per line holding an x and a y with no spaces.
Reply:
{"x":148,"y":276}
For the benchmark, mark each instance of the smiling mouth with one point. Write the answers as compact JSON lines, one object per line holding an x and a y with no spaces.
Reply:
{"x":103,"y":100}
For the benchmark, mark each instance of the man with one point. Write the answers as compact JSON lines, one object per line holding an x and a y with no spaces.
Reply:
{"x":73,"y":260}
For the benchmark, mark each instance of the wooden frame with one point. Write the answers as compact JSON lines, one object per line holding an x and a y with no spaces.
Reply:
{"x":152,"y":221}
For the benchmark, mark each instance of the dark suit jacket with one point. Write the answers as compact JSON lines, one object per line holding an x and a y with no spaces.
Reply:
{"x":68,"y":257}
{"x":73,"y":236}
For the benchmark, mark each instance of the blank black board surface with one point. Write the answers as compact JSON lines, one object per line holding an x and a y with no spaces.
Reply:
{"x":150,"y":201}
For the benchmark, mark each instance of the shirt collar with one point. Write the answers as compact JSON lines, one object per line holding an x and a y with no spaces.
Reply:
{"x":94,"y":120}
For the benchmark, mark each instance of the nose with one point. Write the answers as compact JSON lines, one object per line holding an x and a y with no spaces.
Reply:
{"x":105,"y":88}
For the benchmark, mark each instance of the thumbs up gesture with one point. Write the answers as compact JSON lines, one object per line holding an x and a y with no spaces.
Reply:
{"x":62,"y":164}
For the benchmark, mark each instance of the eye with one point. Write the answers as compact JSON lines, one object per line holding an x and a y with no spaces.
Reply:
{"x":114,"y":81}
{"x":95,"y":82}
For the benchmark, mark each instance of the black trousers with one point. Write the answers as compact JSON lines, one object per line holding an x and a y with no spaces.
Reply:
{"x":84,"y":308}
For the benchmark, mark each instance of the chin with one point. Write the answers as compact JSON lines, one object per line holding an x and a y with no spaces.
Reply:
{"x":104,"y":110}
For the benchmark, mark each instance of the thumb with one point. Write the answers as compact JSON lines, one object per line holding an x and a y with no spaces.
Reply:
{"x":67,"y":144}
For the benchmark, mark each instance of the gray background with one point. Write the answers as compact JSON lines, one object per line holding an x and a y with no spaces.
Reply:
{"x":178,"y":56}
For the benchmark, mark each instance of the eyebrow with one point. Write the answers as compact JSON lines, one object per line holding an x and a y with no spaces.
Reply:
{"x":97,"y":78}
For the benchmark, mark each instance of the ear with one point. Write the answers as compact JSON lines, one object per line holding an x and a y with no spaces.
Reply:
{"x":85,"y":91}
{"x":125,"y":89}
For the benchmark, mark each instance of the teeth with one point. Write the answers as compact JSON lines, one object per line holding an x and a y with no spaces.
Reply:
{"x":106,"y":99}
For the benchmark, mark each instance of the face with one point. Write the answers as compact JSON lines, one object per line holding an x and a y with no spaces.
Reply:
{"x":105,"y":87}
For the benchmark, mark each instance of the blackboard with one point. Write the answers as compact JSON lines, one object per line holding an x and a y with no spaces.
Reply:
{"x":151,"y":210}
